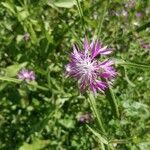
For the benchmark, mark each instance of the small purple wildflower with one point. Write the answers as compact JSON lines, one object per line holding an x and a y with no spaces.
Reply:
{"x":121,"y":13}
{"x":26,"y":75}
{"x":26,"y":36}
{"x":90,"y":73}
{"x":138,"y":14}
{"x":130,"y":4}
{"x":86,"y":118}
{"x":144,"y":44}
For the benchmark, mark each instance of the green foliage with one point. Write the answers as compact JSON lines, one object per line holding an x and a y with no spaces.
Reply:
{"x":64,"y":3}
{"x":43,"y":114}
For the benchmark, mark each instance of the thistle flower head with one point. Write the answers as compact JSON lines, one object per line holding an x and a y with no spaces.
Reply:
{"x":26,"y":75}
{"x":90,"y":73}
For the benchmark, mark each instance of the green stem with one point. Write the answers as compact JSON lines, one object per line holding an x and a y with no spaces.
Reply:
{"x":139,"y":66}
{"x":122,"y":62}
{"x":141,"y":28}
{"x":113,"y":102}
{"x":101,"y":140}
{"x":79,"y":8}
{"x":81,"y":13}
{"x":101,"y":20}
{"x":17,"y":81}
{"x":97,"y":115}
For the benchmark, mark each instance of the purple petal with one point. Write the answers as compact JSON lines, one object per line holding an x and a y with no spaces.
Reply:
{"x":94,"y":89}
{"x":107,"y":63}
{"x":92,"y":45}
{"x":105,"y":75}
{"x":102,"y":85}
{"x":106,"y":51}
{"x":86,"y":45}
{"x":97,"y":49}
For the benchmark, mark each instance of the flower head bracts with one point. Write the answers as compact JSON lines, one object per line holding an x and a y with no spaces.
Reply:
{"x":91,"y":73}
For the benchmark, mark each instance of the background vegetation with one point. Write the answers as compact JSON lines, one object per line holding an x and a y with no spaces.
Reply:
{"x":44,"y":114}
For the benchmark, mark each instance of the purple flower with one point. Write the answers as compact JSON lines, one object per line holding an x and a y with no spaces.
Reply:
{"x":91,"y":73}
{"x":26,"y":36}
{"x":138,"y":14}
{"x":86,"y":118}
{"x":130,"y":4}
{"x":26,"y":75}
{"x":145,"y":45}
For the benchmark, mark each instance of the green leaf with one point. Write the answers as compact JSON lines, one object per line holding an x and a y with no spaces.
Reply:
{"x":103,"y":140}
{"x":95,"y":111}
{"x":33,"y":34}
{"x":65,"y":3}
{"x":9,"y":79}
{"x":12,"y":70}
{"x":21,"y":13}
{"x":34,"y":84}
{"x":67,"y":123}
{"x":9,"y":6}
{"x":19,"y":38}
{"x":3,"y":85}
{"x":112,"y":100}
{"x":127,"y":79}
{"x":130,"y":64}
{"x":36,"y":145}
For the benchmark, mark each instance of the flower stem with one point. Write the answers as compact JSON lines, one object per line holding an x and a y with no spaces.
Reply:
{"x":100,"y":140}
{"x":94,"y":108}
{"x":101,"y":19}
{"x":97,"y":115}
{"x":81,"y":13}
{"x":113,"y":102}
{"x":79,"y":8}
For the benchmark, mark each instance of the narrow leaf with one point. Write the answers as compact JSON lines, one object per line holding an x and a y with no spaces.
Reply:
{"x":9,"y":6}
{"x":34,"y":84}
{"x":64,"y":3}
{"x":112,"y":100}
{"x":103,"y":140}
{"x":130,"y":64}
{"x":12,"y":70}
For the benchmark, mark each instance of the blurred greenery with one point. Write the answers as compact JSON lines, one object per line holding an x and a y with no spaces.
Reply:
{"x":44,"y":114}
